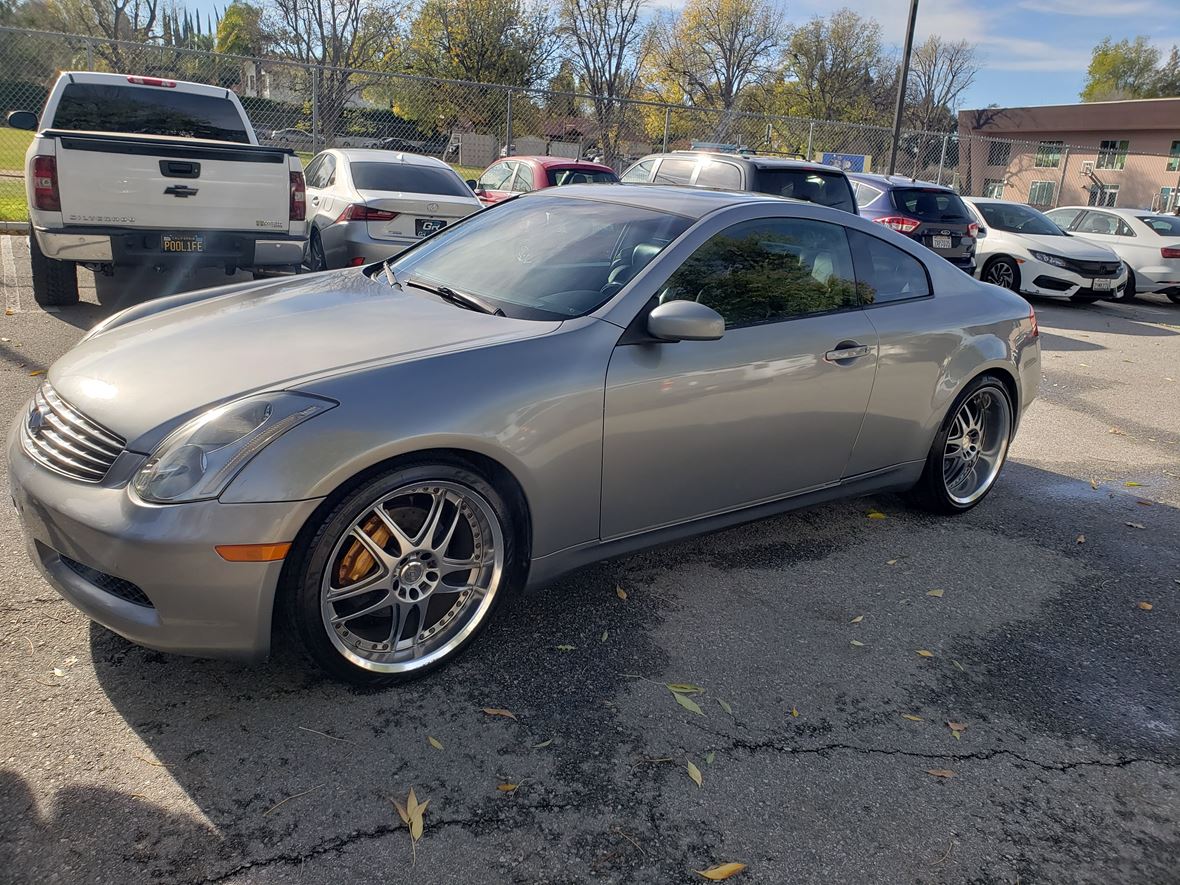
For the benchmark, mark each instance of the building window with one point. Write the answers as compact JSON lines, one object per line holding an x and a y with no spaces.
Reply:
{"x":998,"y":153}
{"x":1168,"y":200}
{"x":1104,"y":195}
{"x":1041,"y":193}
{"x":1174,"y":157}
{"x":1049,"y":154}
{"x":1112,"y":154}
{"x":993,"y":189}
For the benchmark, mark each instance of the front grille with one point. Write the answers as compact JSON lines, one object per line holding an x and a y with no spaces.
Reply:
{"x":115,"y":586}
{"x":1094,"y":268}
{"x":65,"y":440}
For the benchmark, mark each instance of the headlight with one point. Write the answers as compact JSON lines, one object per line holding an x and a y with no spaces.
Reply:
{"x":1055,"y":260}
{"x":197,"y":460}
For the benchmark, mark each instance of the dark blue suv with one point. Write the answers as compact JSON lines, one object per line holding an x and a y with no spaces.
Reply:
{"x":929,"y":213}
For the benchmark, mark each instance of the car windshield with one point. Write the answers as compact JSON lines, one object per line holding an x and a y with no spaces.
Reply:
{"x":1018,"y":219}
{"x":408,"y":178}
{"x":1164,"y":225}
{"x":545,"y":256}
{"x":558,"y":177}
{"x":931,"y":204}
{"x":825,"y":188}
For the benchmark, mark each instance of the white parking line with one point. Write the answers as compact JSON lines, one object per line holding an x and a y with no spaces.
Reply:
{"x":8,"y":277}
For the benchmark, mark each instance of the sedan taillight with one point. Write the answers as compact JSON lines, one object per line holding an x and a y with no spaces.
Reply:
{"x":1170,"y":252}
{"x":45,"y":192}
{"x":899,"y":223}
{"x":298,"y":210}
{"x":361,"y":212}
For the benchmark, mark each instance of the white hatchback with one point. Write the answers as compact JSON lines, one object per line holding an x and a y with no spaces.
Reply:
{"x":1023,"y":250}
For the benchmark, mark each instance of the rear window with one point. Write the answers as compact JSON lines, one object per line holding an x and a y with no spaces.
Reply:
{"x":1164,"y":225}
{"x":825,"y":188}
{"x":408,"y":178}
{"x":928,"y":204}
{"x":149,"y":110}
{"x":558,"y":177}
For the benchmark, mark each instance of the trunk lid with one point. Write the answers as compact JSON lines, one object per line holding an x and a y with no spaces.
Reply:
{"x":417,"y":214}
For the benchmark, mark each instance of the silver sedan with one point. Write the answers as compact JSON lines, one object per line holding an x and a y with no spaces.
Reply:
{"x":384,"y":453}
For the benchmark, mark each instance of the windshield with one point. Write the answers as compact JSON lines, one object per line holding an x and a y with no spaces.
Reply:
{"x":558,"y":177}
{"x":148,"y":110}
{"x":408,"y":178}
{"x":545,"y":256}
{"x":1018,"y":219}
{"x":827,"y":189}
{"x":929,"y":204}
{"x":1164,"y":225}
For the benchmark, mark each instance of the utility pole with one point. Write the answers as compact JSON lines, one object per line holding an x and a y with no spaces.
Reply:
{"x":905,"y":76}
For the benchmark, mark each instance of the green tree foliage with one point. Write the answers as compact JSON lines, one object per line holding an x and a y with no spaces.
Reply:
{"x":1131,"y":69}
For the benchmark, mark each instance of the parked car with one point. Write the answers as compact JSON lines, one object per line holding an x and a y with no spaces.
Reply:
{"x":520,"y":175}
{"x":1023,"y":250}
{"x":930,"y":213}
{"x":295,"y":138}
{"x":811,"y":182}
{"x":146,"y":172}
{"x":383,"y":454}
{"x":366,"y":205}
{"x":1148,"y":242}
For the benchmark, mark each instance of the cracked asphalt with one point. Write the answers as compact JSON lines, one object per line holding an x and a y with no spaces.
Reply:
{"x":121,"y":765}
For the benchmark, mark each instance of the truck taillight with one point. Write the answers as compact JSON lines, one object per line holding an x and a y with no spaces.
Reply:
{"x":899,"y":223}
{"x":361,"y":212}
{"x":151,"y":81}
{"x":1170,"y":252}
{"x":298,"y":210}
{"x":45,"y":193}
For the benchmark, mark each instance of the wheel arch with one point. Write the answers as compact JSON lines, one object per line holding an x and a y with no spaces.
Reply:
{"x":1004,"y":375}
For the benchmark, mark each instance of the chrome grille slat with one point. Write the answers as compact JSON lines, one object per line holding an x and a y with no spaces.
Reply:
{"x":66,"y":441}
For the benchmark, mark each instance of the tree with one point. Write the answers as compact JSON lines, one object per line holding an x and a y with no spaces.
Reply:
{"x":716,"y":48}
{"x":240,"y":33}
{"x":608,"y":43}
{"x":940,"y":72}
{"x":111,"y":20}
{"x":1126,"y":69}
{"x":1166,"y":83}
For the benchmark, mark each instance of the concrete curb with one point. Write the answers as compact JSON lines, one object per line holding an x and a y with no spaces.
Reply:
{"x":16,"y":228}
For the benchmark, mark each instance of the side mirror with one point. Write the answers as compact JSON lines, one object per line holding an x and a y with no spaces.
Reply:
{"x":473,"y":184}
{"x":22,"y":120}
{"x":685,"y":321}
{"x":981,"y":234}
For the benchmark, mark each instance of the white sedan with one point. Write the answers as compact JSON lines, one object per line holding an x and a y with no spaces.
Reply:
{"x":1148,"y":242}
{"x":1023,"y":250}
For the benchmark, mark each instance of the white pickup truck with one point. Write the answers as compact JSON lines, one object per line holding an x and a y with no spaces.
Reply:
{"x":150,"y":172}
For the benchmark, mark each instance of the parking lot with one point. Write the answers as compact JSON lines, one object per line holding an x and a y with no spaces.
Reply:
{"x":988,"y":699}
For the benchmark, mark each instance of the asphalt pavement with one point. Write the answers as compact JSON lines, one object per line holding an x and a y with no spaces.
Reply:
{"x":855,"y":726}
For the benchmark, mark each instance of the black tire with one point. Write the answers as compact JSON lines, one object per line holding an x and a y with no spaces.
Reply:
{"x":931,"y":493}
{"x":55,"y":283}
{"x":1174,"y":297}
{"x":316,"y":260}
{"x":303,"y":578}
{"x":1006,"y":272}
{"x":1129,"y":291}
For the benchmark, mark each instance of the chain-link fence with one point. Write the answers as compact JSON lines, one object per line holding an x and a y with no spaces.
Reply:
{"x":310,"y":107}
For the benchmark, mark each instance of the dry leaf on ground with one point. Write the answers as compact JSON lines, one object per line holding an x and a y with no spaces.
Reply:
{"x":923,"y":653}
{"x":1081,"y":539}
{"x":412,"y":813}
{"x":940,"y":772}
{"x":496,"y":711}
{"x":1136,"y":525}
{"x":721,"y":871}
{"x":935,"y":593}
{"x":434,"y":742}
{"x":566,"y":647}
{"x":684,"y":688}
{"x":725,"y":706}
{"x":507,"y":788}
{"x":1146,"y":606}
{"x":875,"y":514}
{"x":794,"y":712}
{"x":1132,"y":485}
{"x":543,"y":744}
{"x":688,"y":703}
{"x":695,"y":774}
{"x":911,"y":717}
{"x":856,"y":642}
{"x":857,"y":619}
{"x":709,"y":757}
{"x":621,"y":593}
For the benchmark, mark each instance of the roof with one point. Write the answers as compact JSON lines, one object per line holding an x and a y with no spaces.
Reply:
{"x":692,"y":202}
{"x":564,"y":162}
{"x":153,"y":82}
{"x":1116,"y":210}
{"x":373,"y":155}
{"x":896,"y":181}
{"x":758,"y":160}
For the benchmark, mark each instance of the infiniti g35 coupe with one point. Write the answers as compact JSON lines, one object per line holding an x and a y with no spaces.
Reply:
{"x":383,"y":453}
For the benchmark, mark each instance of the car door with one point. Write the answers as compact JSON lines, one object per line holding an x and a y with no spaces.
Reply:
{"x":771,"y":408}
{"x":495,"y":185}
{"x":1107,"y":229}
{"x":320,"y":190}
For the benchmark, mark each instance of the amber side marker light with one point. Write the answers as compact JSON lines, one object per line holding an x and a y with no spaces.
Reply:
{"x":252,"y":552}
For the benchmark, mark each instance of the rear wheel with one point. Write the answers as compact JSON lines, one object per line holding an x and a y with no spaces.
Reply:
{"x":1174,"y":297}
{"x":1003,"y":272}
{"x":55,"y":283}
{"x":968,"y":451}
{"x":316,"y":260}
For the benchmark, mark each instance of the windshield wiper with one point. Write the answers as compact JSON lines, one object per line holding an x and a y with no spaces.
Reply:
{"x":394,"y":282}
{"x":463,"y":299}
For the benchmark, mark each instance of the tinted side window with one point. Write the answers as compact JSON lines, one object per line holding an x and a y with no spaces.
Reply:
{"x":495,"y":178}
{"x":720,"y":175}
{"x":769,"y":270}
{"x":675,"y":171}
{"x":866,"y":193}
{"x":149,"y":110}
{"x":812,"y":185}
{"x":639,"y":172}
{"x":885,"y":273}
{"x":311,"y":174}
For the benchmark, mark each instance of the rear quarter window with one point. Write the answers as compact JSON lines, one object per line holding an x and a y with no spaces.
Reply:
{"x":148,"y":110}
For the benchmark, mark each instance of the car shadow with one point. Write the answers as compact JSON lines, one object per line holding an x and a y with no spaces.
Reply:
{"x":1097,"y":317}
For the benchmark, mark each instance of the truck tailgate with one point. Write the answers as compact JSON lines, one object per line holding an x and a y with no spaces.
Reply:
{"x":171,"y":183}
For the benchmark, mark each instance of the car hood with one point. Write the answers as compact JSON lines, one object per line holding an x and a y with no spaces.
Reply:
{"x":1069,"y":247}
{"x":146,"y":373}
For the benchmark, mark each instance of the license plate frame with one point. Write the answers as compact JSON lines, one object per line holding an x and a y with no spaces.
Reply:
{"x":941,"y":242}
{"x":182,"y":244}
{"x":424,"y":227}
{"x":1103,"y":285}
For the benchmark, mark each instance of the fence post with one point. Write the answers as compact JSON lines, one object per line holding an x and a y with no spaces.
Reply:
{"x":315,"y":110}
{"x":1061,"y":184}
{"x":89,"y":55}
{"x":508,"y":127}
{"x":810,"y":136}
{"x":942,"y":158}
{"x":667,"y":125}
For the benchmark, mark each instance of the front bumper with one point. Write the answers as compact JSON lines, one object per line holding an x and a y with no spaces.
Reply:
{"x":199,"y":604}
{"x":1050,"y":281}
{"x":131,"y":248}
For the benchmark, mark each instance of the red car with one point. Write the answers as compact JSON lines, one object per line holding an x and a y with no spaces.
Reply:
{"x":518,"y":175}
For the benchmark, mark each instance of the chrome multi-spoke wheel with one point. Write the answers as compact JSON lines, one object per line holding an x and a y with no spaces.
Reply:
{"x":1002,"y":272}
{"x":976,"y":445}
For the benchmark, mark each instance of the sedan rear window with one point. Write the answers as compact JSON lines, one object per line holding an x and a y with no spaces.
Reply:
{"x":824,"y":188}
{"x":408,"y":178}
{"x":558,"y":177}
{"x":148,"y":110}
{"x":1164,"y":225}
{"x":930,"y":204}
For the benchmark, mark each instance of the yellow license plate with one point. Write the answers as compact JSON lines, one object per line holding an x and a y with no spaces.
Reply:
{"x":182,"y":244}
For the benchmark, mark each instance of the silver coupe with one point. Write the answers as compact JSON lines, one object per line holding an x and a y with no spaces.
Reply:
{"x":383,"y":453}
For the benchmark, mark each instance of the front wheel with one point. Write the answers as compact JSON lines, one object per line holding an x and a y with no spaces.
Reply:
{"x":968,"y":451}
{"x":1003,"y":272}
{"x":403,"y":574}
{"x":1174,"y":297}
{"x":1128,"y":293}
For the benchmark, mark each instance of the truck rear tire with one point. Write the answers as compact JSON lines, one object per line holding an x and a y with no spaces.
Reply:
{"x":55,"y":283}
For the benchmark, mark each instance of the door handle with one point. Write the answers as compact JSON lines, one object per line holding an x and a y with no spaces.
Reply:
{"x":315,"y":201}
{"x":847,"y":350}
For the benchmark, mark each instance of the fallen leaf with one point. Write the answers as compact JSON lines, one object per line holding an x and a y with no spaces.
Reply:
{"x":566,"y":647}
{"x":956,"y":727}
{"x":1094,"y":484}
{"x":935,"y":593}
{"x":434,"y":742}
{"x":725,"y":706}
{"x":911,"y":717}
{"x":940,"y":772}
{"x":709,"y":757}
{"x":8,"y":312}
{"x":857,"y":619}
{"x":35,"y":374}
{"x":621,"y":593}
{"x":543,"y":744}
{"x":1136,"y":525}
{"x":922,"y":653}
{"x":875,"y":514}
{"x":688,"y":703}
{"x":721,"y":871}
{"x":695,"y":774}
{"x":794,"y":712}
{"x":891,"y":562}
{"x":496,"y":711}
{"x":604,"y":635}
{"x":684,"y":688}
{"x":1143,"y":503}
{"x":507,"y":788}
{"x":958,"y":666}
{"x":1146,"y":606}
{"x":1081,"y":539}
{"x":1132,"y":485}
{"x":411,"y":814}
{"x":58,"y":671}
{"x":1116,"y":431}
{"x":856,"y":642}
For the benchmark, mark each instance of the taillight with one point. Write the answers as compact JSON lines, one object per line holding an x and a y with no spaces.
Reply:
{"x":361,"y":212}
{"x":1032,"y":318}
{"x":357,"y":261}
{"x":151,"y":81}
{"x":1170,"y":252}
{"x":45,"y":193}
{"x":298,"y":210}
{"x":899,"y":223}
{"x":973,"y":230}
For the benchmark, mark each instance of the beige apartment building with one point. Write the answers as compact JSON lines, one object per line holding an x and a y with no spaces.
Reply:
{"x":1112,"y":153}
